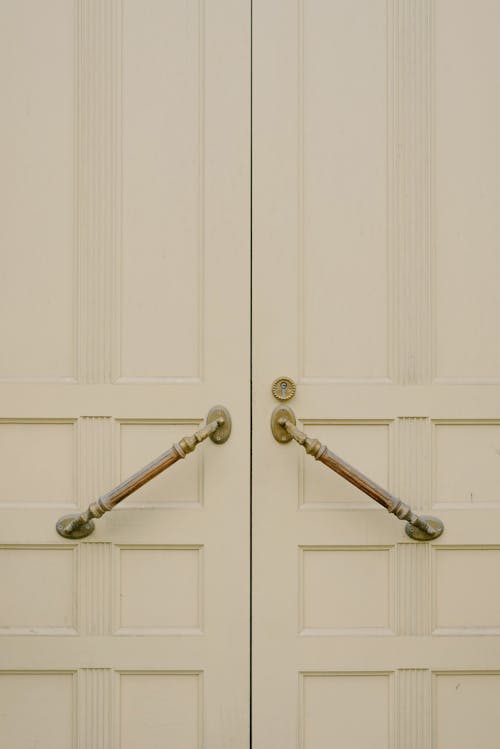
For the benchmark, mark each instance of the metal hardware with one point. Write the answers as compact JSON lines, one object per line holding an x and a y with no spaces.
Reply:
{"x":418,"y":527}
{"x":217,"y":428}
{"x":223,"y":431}
{"x":284,"y":388}
{"x":281,"y":415}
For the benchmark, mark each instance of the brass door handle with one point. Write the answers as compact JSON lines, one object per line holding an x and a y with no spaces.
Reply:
{"x":217,"y":427}
{"x":419,"y":527}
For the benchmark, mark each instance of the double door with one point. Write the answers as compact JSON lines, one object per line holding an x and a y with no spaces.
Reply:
{"x":149,"y":151}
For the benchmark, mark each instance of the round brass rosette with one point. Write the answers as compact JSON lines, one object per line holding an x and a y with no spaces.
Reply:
{"x":284,"y":388}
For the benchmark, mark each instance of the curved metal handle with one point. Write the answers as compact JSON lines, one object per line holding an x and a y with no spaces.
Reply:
{"x":218,"y":428}
{"x":419,"y":527}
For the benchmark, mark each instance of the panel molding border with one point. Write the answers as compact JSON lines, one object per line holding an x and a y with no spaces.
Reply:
{"x":360,"y":631}
{"x":195,"y":464}
{"x":144,"y":629}
{"x":363,"y":503}
{"x":200,"y":708}
{"x":304,"y":675}
{"x":37,"y":628}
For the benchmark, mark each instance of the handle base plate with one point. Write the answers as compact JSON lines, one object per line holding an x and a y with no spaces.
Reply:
{"x":79,"y":532}
{"x":419,"y":535}
{"x":280,"y":434}
{"x":223,"y":431}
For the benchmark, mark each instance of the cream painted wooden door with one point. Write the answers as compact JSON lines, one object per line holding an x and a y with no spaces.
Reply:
{"x":124,"y":297}
{"x":125,"y":304}
{"x":376,"y":236}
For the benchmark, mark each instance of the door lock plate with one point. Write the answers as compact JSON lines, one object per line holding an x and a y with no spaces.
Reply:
{"x":284,"y":388}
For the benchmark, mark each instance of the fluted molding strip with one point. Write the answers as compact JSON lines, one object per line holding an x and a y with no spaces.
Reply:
{"x":98,"y":169}
{"x":95,"y":457}
{"x":95,"y":708}
{"x":96,"y":588}
{"x":410,"y":179}
{"x":413,"y":461}
{"x":414,"y":589}
{"x":414,"y":709}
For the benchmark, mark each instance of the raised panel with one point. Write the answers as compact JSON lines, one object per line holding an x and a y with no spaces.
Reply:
{"x":350,"y":710}
{"x":37,"y":590}
{"x":160,"y":590}
{"x":464,"y":581}
{"x":37,"y":462}
{"x":466,"y":710}
{"x":363,"y":444}
{"x":37,"y":73}
{"x":161,"y":275}
{"x":475,"y":477}
{"x":343,"y":189}
{"x":346,"y":590}
{"x":467,"y":190}
{"x":37,"y":710}
{"x":161,"y":710}
{"x":140,"y":443}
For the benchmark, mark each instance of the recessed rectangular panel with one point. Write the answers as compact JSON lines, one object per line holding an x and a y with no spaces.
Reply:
{"x":162,"y":190}
{"x":466,"y":710}
{"x":161,"y":710}
{"x":37,"y":590}
{"x":467,"y":462}
{"x":346,"y":589}
{"x":345,"y":710}
{"x":344,"y":175}
{"x":364,"y":445}
{"x":160,"y":590}
{"x":37,"y":710}
{"x":465,"y":581}
{"x":37,"y":80}
{"x":467,"y":189}
{"x":37,"y":462}
{"x":140,"y":443}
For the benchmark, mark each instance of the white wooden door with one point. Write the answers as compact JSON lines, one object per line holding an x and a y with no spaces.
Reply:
{"x":376,"y":239}
{"x":125,"y":301}
{"x":124,"y":298}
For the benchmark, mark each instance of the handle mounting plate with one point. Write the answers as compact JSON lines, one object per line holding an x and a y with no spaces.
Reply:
{"x":280,"y":434}
{"x":79,"y":532}
{"x":223,"y":431}
{"x":420,"y":535}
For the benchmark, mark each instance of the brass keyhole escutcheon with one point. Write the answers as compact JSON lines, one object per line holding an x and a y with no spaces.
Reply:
{"x":284,"y":388}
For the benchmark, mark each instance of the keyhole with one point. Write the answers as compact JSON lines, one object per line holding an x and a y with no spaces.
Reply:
{"x":283,"y":388}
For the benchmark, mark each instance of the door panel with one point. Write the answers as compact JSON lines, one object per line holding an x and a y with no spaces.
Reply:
{"x":125,"y":318}
{"x":375,"y":260}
